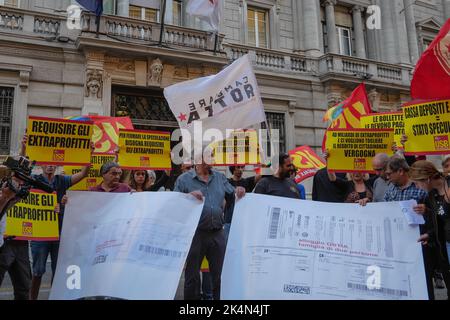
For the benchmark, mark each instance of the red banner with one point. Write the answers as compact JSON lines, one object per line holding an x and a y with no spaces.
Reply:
{"x":307,"y":162}
{"x":106,"y":131}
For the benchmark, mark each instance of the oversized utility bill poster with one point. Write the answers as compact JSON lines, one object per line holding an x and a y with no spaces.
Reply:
{"x":124,"y":245}
{"x":281,"y":248}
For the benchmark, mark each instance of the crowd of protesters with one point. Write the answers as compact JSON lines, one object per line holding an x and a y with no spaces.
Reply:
{"x":396,"y":178}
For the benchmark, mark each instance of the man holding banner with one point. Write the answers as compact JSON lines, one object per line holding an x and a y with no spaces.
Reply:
{"x":280,"y":184}
{"x":41,"y":249}
{"x":209,"y":238}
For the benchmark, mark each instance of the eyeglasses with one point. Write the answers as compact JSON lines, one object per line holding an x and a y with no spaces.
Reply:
{"x":388,"y":173}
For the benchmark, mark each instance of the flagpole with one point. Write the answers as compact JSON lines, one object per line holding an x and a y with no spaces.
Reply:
{"x":163,"y":14}
{"x":216,"y":38}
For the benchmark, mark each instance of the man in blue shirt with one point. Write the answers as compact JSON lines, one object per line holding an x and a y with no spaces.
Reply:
{"x":41,"y":249}
{"x":209,"y":238}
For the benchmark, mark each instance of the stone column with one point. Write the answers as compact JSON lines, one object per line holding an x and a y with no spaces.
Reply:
{"x":311,"y":34}
{"x":331,"y":26}
{"x":389,"y":45}
{"x":411,"y":30}
{"x":20,"y":108}
{"x":123,"y":8}
{"x":359,"y":32}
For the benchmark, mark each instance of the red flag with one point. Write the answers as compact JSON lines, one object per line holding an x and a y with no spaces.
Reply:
{"x":106,"y":131}
{"x":306,"y":161}
{"x":347,"y":114}
{"x":432,"y":74}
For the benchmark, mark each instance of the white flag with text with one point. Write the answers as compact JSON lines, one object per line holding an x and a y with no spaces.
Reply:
{"x":225,"y":101}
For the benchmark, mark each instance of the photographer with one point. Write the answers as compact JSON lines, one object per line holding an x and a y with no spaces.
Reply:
{"x":13,"y":254}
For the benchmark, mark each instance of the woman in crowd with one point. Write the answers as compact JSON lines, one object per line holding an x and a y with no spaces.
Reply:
{"x":446,"y":166}
{"x":142,"y":180}
{"x":357,"y":188}
{"x":436,"y":211}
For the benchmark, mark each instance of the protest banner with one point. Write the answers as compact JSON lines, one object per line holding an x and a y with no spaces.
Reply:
{"x":427,"y":126}
{"x":34,"y":218}
{"x":282,"y":248}
{"x":142,"y":150}
{"x":58,"y":141}
{"x":106,"y":131}
{"x":240,"y":149}
{"x":123,"y":250}
{"x":352,"y":150}
{"x":94,"y":177}
{"x":307,"y":162}
{"x":386,"y":120}
{"x":227,"y":100}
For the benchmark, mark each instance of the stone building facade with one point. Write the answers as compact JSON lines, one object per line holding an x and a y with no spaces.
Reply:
{"x":307,"y":55}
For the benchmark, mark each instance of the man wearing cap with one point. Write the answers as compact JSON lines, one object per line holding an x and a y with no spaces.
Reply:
{"x":111,"y":174}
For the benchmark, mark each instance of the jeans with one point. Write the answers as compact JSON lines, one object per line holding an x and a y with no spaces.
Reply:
{"x":448,"y":251}
{"x":40,"y":251}
{"x":207,"y":286}
{"x":212,"y":245}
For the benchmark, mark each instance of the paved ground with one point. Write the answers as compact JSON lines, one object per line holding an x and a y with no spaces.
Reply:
{"x":6,"y":291}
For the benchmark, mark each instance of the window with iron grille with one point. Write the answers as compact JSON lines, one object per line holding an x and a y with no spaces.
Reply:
{"x":276,"y":122}
{"x":6,"y":105}
{"x":143,"y":108}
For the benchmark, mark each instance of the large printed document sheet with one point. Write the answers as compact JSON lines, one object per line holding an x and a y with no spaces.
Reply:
{"x":129,"y":246}
{"x":282,"y":248}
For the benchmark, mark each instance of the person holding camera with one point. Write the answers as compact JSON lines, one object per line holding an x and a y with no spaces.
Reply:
{"x":14,"y":257}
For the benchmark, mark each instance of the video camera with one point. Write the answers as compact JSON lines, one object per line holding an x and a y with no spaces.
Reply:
{"x":21,"y":168}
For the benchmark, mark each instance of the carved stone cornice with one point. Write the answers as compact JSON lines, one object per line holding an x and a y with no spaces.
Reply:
{"x":24,"y":79}
{"x":291,"y":107}
{"x":24,"y":72}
